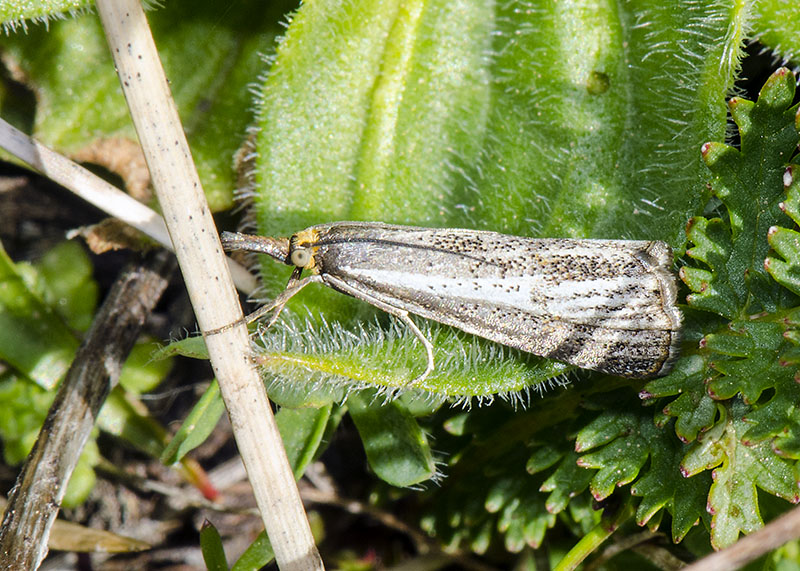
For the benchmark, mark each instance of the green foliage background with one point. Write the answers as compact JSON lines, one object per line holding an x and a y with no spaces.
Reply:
{"x":590,"y":119}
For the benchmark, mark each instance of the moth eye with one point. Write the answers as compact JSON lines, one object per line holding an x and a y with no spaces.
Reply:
{"x":300,"y":257}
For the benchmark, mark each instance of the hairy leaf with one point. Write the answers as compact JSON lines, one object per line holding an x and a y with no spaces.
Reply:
{"x":363,"y":116}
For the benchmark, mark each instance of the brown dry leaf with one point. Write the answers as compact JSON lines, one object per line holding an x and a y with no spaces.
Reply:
{"x":123,"y":157}
{"x":112,"y":234}
{"x":68,"y":536}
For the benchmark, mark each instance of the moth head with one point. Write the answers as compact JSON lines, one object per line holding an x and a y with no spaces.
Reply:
{"x":302,"y":250}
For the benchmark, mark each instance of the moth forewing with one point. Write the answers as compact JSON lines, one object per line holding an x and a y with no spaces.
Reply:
{"x":607,"y":305}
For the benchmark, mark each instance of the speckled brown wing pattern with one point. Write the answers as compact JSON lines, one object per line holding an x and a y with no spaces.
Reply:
{"x":607,"y":305}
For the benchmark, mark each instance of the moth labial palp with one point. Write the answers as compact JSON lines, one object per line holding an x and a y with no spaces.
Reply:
{"x":605,"y":305}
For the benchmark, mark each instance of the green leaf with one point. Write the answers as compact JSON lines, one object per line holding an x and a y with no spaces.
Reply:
{"x":317,"y":362}
{"x":567,"y":481}
{"x":197,"y":426}
{"x":67,"y":284}
{"x":755,"y":366}
{"x":192,"y":347}
{"x":302,"y":432}
{"x":733,"y":501}
{"x":14,"y":13}
{"x":212,"y":548}
{"x":397,"y":90}
{"x":524,"y":519}
{"x":712,"y":246}
{"x":256,"y":556}
{"x":748,"y":182}
{"x":618,"y":461}
{"x":80,"y":110}
{"x":736,"y":390}
{"x":623,"y":442}
{"x":694,"y":409}
{"x":786,"y":271}
{"x":395,"y":445}
{"x":784,"y":264}
{"x":409,"y":121}
{"x":501,"y":493}
{"x":141,"y":373}
{"x":696,"y":413}
{"x":33,"y":338}
{"x":23,"y":408}
{"x":663,"y":486}
{"x":605,"y":428}
{"x":125,"y":417}
{"x":776,"y":421}
{"x":740,"y":470}
{"x":513,"y":471}
{"x":775,"y":26}
{"x":544,"y":457}
{"x":544,"y":135}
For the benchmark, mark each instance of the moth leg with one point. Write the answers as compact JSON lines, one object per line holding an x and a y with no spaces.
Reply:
{"x":399,"y":313}
{"x":402,"y":315}
{"x":293,"y":287}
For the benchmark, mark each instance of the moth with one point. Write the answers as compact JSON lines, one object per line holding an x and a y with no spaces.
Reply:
{"x":605,"y":305}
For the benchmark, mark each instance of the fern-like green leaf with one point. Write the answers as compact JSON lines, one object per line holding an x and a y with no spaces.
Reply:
{"x":748,"y":183}
{"x":712,"y":246}
{"x":736,"y":390}
{"x":748,"y":360}
{"x":664,"y":487}
{"x":623,"y":451}
{"x":783,"y":264}
{"x":740,"y":470}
